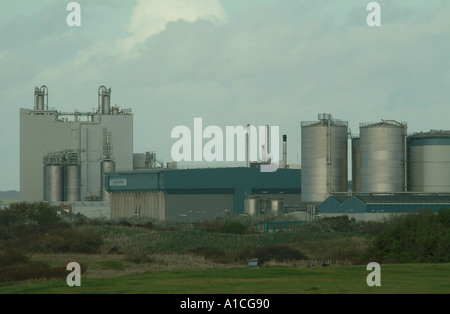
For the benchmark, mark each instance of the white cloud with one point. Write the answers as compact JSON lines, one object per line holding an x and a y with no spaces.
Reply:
{"x":150,"y":17}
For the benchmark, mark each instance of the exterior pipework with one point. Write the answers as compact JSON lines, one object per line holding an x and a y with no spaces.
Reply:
{"x":41,"y":98}
{"x":429,"y":162}
{"x":107,"y":166}
{"x":324,"y":158}
{"x":248,"y":146}
{"x":356,"y":165}
{"x":383,"y":157}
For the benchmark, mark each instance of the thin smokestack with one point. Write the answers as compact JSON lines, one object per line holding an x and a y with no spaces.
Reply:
{"x":285,"y":151}
{"x":248,"y":145}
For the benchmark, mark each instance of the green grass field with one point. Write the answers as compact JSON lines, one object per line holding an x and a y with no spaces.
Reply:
{"x":395,"y":279}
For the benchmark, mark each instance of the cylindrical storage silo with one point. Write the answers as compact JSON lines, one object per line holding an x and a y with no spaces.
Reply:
{"x":324,"y":158}
{"x":429,"y":162}
{"x":39,"y":98}
{"x":106,"y":103}
{"x":252,"y":205}
{"x":356,"y":165}
{"x":53,"y":183}
{"x":107,"y":166}
{"x":72,"y":183}
{"x":277,"y":206}
{"x":104,"y":99}
{"x":40,"y":102}
{"x":383,"y":157}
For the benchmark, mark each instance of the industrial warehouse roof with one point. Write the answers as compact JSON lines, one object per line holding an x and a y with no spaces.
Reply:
{"x":396,"y":203}
{"x":205,"y":179}
{"x":404,"y":198}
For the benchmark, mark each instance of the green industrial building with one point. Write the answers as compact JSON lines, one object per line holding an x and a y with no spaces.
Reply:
{"x":198,"y":194}
{"x":374,"y":207}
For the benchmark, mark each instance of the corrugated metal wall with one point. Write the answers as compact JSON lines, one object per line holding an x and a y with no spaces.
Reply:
{"x":197,"y":207}
{"x":141,"y":204}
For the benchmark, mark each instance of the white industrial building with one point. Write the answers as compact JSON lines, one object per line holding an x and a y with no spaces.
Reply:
{"x":62,"y":154}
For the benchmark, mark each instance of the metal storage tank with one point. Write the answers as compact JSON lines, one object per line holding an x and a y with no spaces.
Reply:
{"x":39,"y":100}
{"x":72,"y":181}
{"x":383,"y":157}
{"x":252,"y":205}
{"x":106,"y":167}
{"x":429,"y":162}
{"x":356,"y":165}
{"x":53,"y":183}
{"x":277,"y":206}
{"x":324,"y":158}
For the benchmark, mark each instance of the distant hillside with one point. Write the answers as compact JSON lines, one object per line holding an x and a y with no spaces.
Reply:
{"x":9,"y":195}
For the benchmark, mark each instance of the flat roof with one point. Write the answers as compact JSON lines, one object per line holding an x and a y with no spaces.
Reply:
{"x":204,"y":178}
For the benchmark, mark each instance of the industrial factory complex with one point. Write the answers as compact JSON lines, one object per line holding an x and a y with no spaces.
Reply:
{"x":85,"y":161}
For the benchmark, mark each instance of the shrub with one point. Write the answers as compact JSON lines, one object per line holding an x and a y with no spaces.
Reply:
{"x":67,"y":241}
{"x":24,"y":219}
{"x":40,"y":214}
{"x":113,"y":265}
{"x":208,"y":252}
{"x":149,"y":225}
{"x":124,"y":223}
{"x":82,"y":221}
{"x":222,"y":226}
{"x":371,"y":227}
{"x":415,"y":237}
{"x":11,"y":257}
{"x":32,"y":270}
{"x":233,"y":226}
{"x":15,"y":266}
{"x":279,"y":253}
{"x":138,"y":256}
{"x":209,"y":226}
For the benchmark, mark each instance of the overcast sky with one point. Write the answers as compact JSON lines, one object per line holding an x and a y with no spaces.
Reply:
{"x":230,"y":62}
